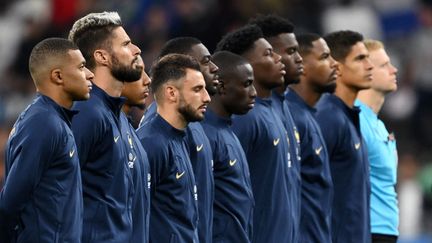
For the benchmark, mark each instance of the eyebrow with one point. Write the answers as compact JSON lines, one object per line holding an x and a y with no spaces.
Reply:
{"x":361,"y":56}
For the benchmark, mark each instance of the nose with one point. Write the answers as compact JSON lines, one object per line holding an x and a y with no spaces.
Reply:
{"x":252,"y":92}
{"x":298,"y":58}
{"x":369,"y":65}
{"x":146,"y":79}
{"x":136,"y":50}
{"x":89,"y":74}
{"x":206,"y":97}
{"x":394,"y":70}
{"x":213,"y":67}
{"x":333,"y":62}
{"x":277,"y":57}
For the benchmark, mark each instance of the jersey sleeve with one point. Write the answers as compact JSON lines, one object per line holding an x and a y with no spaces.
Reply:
{"x":29,"y":153}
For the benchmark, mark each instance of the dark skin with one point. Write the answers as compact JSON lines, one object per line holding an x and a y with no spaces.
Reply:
{"x":320,"y":73}
{"x":268,"y":69}
{"x":208,"y":68}
{"x":285,"y":44}
{"x":236,"y":93}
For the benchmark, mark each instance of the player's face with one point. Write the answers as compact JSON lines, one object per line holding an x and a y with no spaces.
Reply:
{"x":125,"y":65}
{"x":238,"y":93}
{"x":320,"y":69}
{"x":356,"y":70}
{"x":76,"y":77}
{"x":286,"y":45}
{"x":268,"y":69}
{"x":193,"y":98}
{"x":137,"y":92}
{"x":208,"y":68}
{"x":383,"y":73}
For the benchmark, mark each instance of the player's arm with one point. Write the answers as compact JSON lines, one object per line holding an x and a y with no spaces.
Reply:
{"x":30,"y":154}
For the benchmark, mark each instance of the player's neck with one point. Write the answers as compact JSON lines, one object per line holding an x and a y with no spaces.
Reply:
{"x":217,"y":107}
{"x":172,"y":116}
{"x":104,"y":80}
{"x":306,"y":93}
{"x":346,"y":94}
{"x":372,"y":98}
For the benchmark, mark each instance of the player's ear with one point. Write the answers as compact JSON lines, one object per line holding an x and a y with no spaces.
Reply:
{"x":171,"y":92}
{"x":56,"y":76}
{"x":101,"y":56}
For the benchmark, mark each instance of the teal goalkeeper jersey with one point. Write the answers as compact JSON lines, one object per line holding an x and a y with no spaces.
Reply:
{"x":383,"y":159}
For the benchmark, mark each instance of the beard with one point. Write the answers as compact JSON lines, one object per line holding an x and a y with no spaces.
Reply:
{"x":125,"y":73}
{"x":188,"y":113}
{"x":328,"y":88}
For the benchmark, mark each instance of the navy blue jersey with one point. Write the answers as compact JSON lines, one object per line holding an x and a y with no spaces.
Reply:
{"x":349,"y":168}
{"x":280,"y":105}
{"x":174,"y":210}
{"x":265,"y":143}
{"x":41,"y":200}
{"x":201,"y":157}
{"x":139,"y":165}
{"x":108,"y":187}
{"x":317,"y":185}
{"x":234,"y":202}
{"x":149,"y":114}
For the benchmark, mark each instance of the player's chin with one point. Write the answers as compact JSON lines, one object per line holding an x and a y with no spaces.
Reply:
{"x":84,"y":96}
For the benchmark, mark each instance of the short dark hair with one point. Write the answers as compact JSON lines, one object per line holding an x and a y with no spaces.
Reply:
{"x":272,"y":25}
{"x":92,"y":32}
{"x":50,"y":48}
{"x":340,"y":43}
{"x":179,"y":45}
{"x":305,"y":42}
{"x":171,"y":67}
{"x":241,"y":40}
{"x":227,"y":63}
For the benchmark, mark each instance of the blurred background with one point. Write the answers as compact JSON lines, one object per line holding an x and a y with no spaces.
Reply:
{"x":405,"y":26}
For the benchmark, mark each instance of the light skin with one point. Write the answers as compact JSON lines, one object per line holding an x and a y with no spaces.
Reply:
{"x":236,"y":93}
{"x":122,"y":51}
{"x":383,"y":80}
{"x":208,"y":68}
{"x":184,"y":100}
{"x":355,"y":74}
{"x":320,"y":73}
{"x":66,"y":81}
{"x":268,"y":69}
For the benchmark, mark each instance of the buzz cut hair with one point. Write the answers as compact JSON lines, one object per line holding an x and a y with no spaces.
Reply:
{"x":228,"y":63}
{"x":240,"y":41}
{"x":373,"y":45}
{"x":179,"y":45}
{"x":341,"y":42}
{"x":48,"y":52}
{"x":92,"y":32}
{"x":305,"y":42}
{"x":272,"y":25}
{"x":171,"y":67}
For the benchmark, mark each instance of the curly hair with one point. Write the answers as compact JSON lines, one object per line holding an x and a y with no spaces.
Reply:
{"x":272,"y":25}
{"x":241,"y":40}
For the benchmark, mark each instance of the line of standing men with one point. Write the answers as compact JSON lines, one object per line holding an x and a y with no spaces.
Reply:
{"x":257,"y":162}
